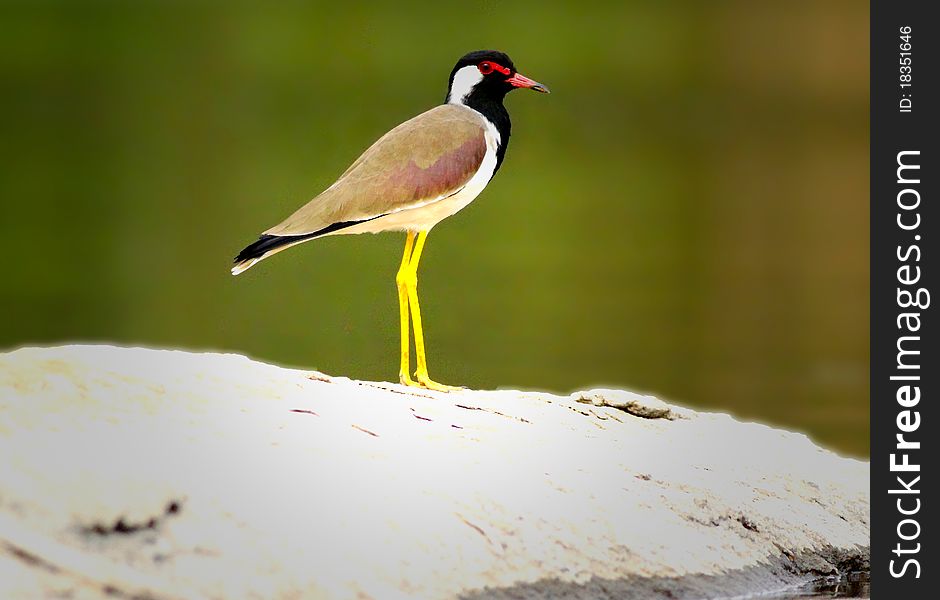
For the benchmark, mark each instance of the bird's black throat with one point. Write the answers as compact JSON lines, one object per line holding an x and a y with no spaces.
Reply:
{"x":493,"y":111}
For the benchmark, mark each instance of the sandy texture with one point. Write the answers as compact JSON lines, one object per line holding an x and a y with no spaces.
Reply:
{"x":167,"y":474}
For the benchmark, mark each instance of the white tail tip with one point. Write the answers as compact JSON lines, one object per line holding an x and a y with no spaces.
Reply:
{"x":243,"y":266}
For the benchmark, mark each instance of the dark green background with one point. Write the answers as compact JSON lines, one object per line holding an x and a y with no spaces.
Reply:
{"x":686,"y":214}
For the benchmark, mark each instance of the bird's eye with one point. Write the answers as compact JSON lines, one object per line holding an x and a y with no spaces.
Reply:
{"x":486,"y":68}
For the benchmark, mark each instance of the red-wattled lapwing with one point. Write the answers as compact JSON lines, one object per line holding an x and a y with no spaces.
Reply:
{"x":414,"y":176}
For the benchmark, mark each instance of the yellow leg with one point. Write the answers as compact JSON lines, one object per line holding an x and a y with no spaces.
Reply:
{"x":411,"y":285}
{"x":401,"y":280}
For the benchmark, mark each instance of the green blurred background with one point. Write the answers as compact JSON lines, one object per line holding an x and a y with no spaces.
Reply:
{"x":686,"y":214}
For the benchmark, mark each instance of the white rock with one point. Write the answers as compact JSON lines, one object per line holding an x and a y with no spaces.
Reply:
{"x":169,"y":474}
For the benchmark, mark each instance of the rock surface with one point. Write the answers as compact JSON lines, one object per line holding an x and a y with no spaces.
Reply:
{"x":165,"y":474}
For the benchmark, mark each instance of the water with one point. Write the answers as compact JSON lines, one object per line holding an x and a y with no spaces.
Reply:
{"x":856,"y":585}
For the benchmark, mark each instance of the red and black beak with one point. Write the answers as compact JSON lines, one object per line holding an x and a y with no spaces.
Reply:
{"x":521,"y":81}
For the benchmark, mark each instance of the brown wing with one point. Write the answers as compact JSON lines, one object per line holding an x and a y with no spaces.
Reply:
{"x":425,"y":158}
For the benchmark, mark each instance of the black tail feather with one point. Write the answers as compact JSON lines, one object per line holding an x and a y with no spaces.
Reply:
{"x":267,"y":243}
{"x":270,"y":243}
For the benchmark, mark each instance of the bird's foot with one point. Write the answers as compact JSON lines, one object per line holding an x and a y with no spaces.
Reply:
{"x":424,"y":381}
{"x":427,"y":383}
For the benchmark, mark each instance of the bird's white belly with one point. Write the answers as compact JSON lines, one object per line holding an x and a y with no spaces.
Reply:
{"x":421,"y":218}
{"x":424,"y":217}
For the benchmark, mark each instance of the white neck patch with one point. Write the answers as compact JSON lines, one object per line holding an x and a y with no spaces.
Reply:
{"x":464,"y":80}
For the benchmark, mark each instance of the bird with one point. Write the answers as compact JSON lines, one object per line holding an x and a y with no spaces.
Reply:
{"x":419,"y":173}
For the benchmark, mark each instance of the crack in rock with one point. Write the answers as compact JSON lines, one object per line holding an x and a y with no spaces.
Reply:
{"x":123,"y":526}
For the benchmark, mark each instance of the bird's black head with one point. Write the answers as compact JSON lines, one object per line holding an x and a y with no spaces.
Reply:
{"x":486,"y":76}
